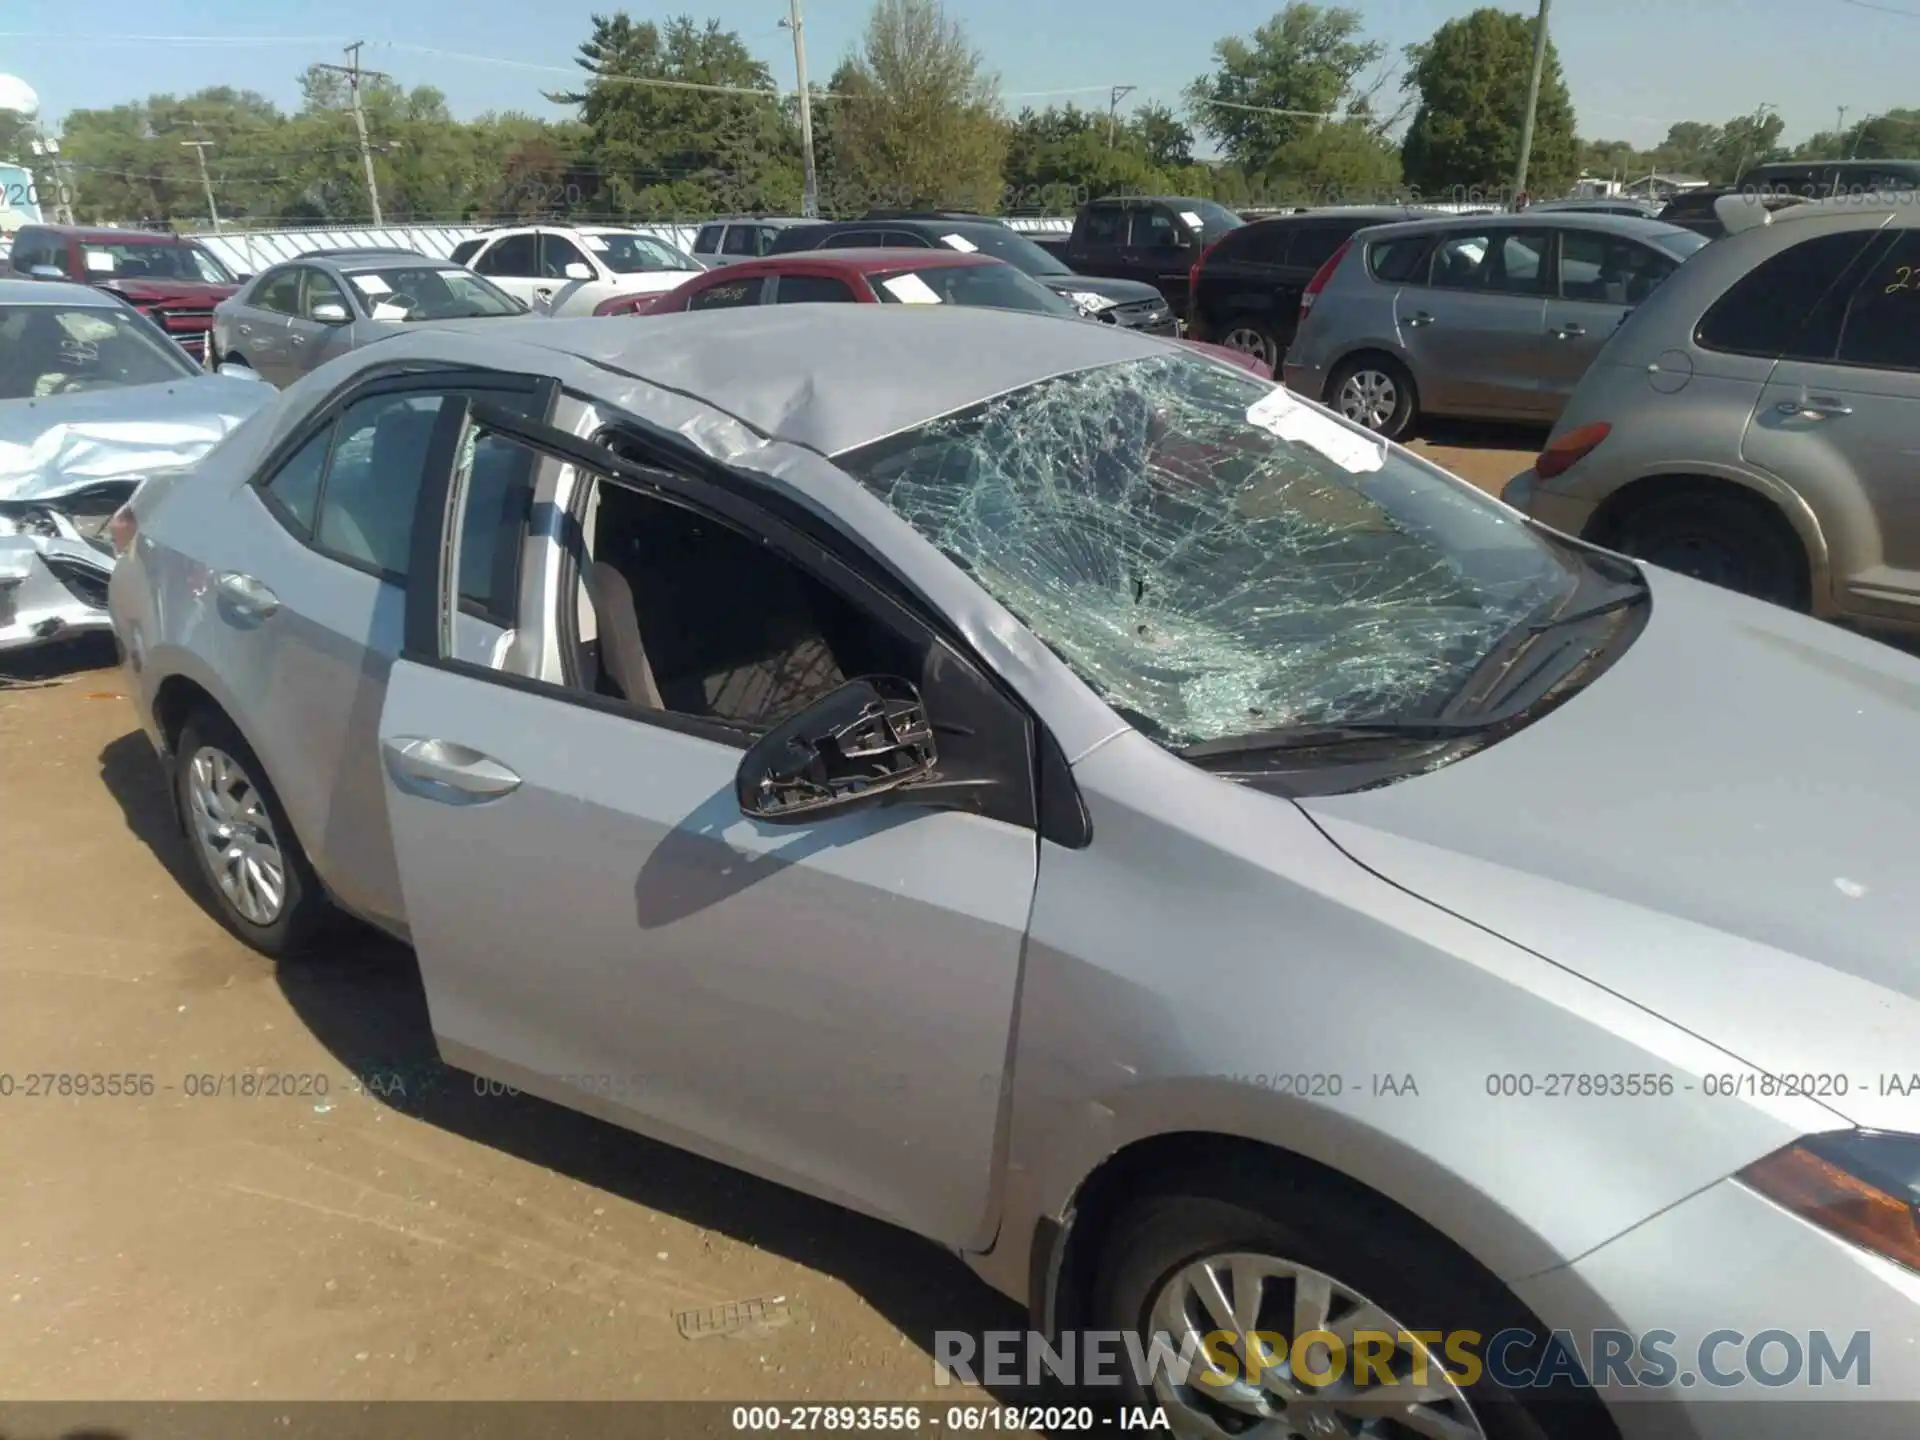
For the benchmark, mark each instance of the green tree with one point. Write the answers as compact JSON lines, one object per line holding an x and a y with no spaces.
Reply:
{"x":1471,"y":79}
{"x":1304,"y":60}
{"x":919,"y":120}
{"x":1166,"y":142}
{"x":681,"y":121}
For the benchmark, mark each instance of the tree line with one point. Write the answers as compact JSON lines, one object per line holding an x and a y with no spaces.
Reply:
{"x":677,"y":120}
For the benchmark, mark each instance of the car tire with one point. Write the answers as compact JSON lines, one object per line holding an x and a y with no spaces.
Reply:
{"x":254,"y":874}
{"x":1328,"y":1232}
{"x":1375,"y":391}
{"x":1720,"y":538}
{"x":1254,"y":337}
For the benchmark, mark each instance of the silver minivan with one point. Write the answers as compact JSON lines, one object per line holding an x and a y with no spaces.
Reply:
{"x":1493,"y":317}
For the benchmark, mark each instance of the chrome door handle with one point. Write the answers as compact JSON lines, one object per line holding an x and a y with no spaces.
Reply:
{"x":1819,"y":407}
{"x":245,"y":595}
{"x":1567,"y":332}
{"x":441,"y":770}
{"x":1419,"y":318}
{"x":299,"y":339}
{"x":246,"y":329}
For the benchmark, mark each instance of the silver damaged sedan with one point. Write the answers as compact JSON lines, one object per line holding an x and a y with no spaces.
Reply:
{"x":1229,"y":880}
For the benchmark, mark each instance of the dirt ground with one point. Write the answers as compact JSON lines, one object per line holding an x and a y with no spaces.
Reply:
{"x":399,"y":1236}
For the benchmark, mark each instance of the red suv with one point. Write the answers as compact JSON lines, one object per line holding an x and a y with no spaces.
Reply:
{"x":168,"y":278}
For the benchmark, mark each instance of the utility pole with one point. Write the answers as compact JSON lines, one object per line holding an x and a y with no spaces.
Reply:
{"x":199,"y":148}
{"x":355,"y":75}
{"x":1533,"y":101}
{"x":810,"y":185}
{"x":1840,"y":126}
{"x":1120,"y":92}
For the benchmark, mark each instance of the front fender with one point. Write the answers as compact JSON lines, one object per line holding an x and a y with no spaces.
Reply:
{"x":1213,"y":965}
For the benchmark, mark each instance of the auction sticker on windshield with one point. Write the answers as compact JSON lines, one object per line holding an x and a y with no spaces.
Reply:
{"x":371,"y":285}
{"x":593,"y":242}
{"x":1192,"y":219}
{"x":911,"y":290}
{"x":959,"y":242}
{"x":1279,"y":412}
{"x":100,"y":260}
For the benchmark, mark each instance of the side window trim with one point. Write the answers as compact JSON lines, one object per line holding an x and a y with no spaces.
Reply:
{"x":452,"y":383}
{"x":427,"y":638}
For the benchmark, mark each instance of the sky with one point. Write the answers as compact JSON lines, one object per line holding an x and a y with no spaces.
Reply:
{"x":1634,"y":66}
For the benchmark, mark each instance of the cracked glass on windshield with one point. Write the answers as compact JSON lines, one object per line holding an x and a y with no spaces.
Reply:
{"x":1212,"y":572}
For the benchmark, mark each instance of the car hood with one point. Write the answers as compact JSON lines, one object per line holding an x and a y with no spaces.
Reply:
{"x":190,"y":293}
{"x":50,"y":447}
{"x":1121,"y":292}
{"x":1718,"y":829}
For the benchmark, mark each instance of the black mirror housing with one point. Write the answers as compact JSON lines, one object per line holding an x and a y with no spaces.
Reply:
{"x":865,"y":741}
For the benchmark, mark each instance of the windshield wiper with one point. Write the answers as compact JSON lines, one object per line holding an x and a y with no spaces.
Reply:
{"x":1312,"y":737}
{"x":1619,"y":600}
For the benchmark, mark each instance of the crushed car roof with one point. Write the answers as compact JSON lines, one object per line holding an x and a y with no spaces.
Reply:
{"x":829,"y":377}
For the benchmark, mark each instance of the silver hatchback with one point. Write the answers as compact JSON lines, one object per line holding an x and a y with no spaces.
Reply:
{"x":1754,"y":426}
{"x":1493,"y":317}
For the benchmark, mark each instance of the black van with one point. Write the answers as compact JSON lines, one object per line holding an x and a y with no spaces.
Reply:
{"x":1154,"y":238}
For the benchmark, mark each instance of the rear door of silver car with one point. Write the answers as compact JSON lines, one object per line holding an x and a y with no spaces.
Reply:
{"x":311,"y":583}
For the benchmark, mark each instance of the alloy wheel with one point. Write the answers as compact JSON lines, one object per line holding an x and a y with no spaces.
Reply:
{"x":1369,"y":397}
{"x":1255,"y":1307}
{"x":1251,"y":340}
{"x":229,"y":818}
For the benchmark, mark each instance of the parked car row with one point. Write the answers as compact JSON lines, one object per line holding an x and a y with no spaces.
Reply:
{"x":1014,"y":741}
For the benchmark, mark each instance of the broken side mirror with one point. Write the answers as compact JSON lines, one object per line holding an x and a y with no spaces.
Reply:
{"x":867,"y":740}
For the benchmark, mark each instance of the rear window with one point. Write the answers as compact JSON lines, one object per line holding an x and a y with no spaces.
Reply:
{"x":1314,"y":245}
{"x":1264,"y":242}
{"x":1398,"y":262}
{"x":465,"y":251}
{"x":997,"y":287}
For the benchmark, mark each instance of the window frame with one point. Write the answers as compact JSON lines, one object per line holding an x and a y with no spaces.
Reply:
{"x":308,"y":275}
{"x":270,"y":278}
{"x":772,"y":296}
{"x":563,"y":242}
{"x":1890,"y":241}
{"x":500,"y":244}
{"x":1838,"y":296}
{"x":748,"y":237}
{"x":1557,"y":293}
{"x":717,"y":233}
{"x":1039,"y":786}
{"x":720,"y":281}
{"x":1496,"y":236}
{"x":446,"y":381}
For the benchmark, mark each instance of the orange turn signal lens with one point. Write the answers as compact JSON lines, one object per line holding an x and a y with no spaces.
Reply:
{"x":1839,"y":1202}
{"x":1559,"y":457}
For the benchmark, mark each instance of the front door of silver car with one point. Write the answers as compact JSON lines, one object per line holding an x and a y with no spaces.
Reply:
{"x":735,"y":920}
{"x":1840,"y":417}
{"x":1601,"y":278}
{"x":1475,"y":331}
{"x":318,"y":556}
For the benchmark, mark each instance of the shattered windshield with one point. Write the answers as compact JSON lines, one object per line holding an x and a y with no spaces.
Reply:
{"x":1212,"y":556}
